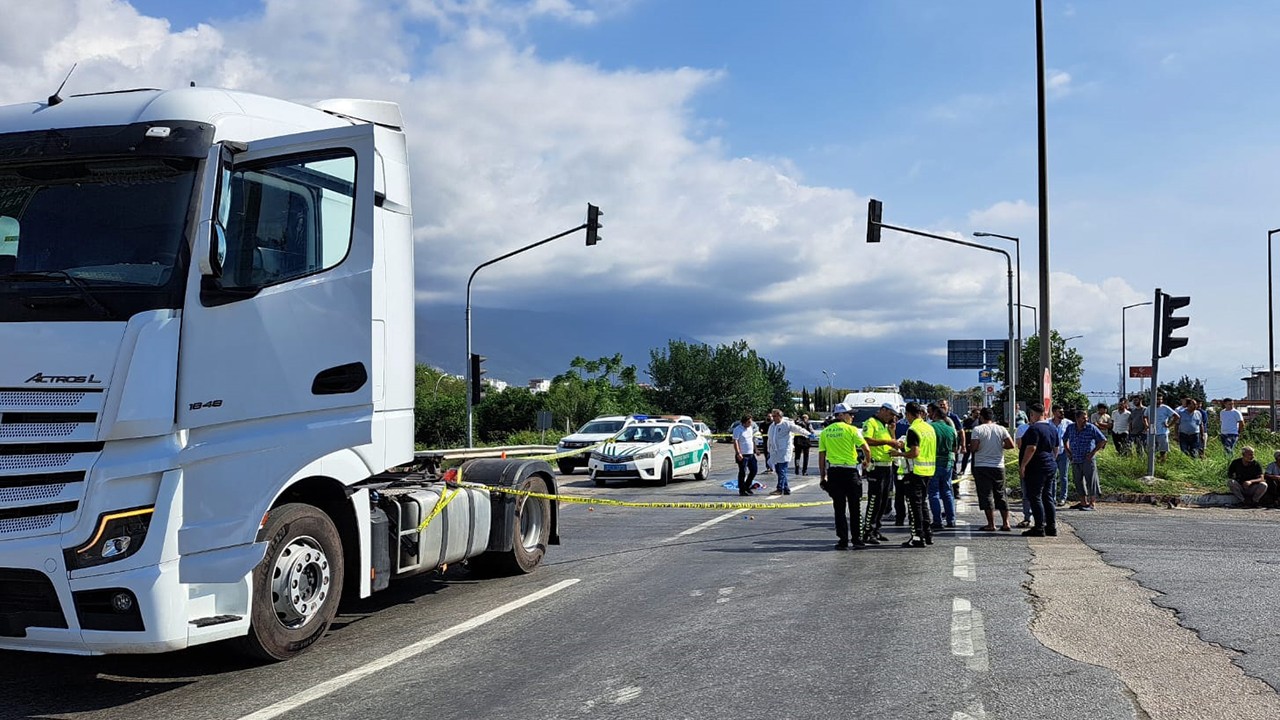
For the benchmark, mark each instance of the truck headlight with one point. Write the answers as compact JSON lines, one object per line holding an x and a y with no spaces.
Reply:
{"x":119,"y":534}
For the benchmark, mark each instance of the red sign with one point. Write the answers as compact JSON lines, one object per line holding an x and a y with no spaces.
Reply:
{"x":1139,"y":371}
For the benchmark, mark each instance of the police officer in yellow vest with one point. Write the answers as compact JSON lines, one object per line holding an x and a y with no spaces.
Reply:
{"x":838,"y":446}
{"x":878,"y":431}
{"x":921,"y":453}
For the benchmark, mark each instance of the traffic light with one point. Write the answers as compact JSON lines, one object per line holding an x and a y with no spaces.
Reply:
{"x":476,"y":372}
{"x":593,"y":224}
{"x":874,"y":209}
{"x":1169,"y":323}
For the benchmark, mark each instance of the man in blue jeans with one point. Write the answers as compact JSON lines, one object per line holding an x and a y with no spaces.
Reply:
{"x":1061,"y":422}
{"x":1037,"y":465}
{"x":941,"y":501}
{"x":744,"y":452}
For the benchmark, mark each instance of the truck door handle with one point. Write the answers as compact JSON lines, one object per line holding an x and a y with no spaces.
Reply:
{"x":340,"y":380}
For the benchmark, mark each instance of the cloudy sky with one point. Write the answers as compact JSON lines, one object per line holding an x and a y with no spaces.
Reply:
{"x":733,"y":146}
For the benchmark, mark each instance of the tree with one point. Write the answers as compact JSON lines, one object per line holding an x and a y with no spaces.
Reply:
{"x":591,"y":388}
{"x":1185,"y":388}
{"x":439,"y":409}
{"x":805,"y":403}
{"x":718,"y":383}
{"x":502,"y":413}
{"x":1067,"y":365}
{"x":922,"y":390}
{"x":775,"y":376}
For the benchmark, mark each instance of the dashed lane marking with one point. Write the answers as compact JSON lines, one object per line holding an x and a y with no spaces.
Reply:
{"x":962,"y":566}
{"x":969,"y":635}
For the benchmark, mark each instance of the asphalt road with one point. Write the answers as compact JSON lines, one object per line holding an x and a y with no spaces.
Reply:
{"x":689,"y":614}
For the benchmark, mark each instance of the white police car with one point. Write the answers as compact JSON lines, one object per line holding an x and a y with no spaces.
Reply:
{"x":593,"y":433}
{"x":660,"y":450}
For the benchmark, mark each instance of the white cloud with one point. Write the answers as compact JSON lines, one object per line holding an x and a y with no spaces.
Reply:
{"x":1005,"y":217}
{"x":1058,"y":83}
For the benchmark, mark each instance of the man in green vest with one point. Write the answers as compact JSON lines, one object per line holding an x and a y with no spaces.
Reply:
{"x":922,"y":456}
{"x":838,"y":447}
{"x":878,"y":432}
{"x":942,"y":505}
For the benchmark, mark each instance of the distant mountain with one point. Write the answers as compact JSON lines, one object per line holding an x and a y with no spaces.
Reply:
{"x":522,"y":344}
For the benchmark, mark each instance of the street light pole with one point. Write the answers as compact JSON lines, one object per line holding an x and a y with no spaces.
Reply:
{"x":1034,"y":316}
{"x":1011,"y":366}
{"x":1124,"y":367}
{"x":1045,"y":359}
{"x":470,"y":413}
{"x":1017,"y":250}
{"x":830,"y":391}
{"x":1271,"y":336}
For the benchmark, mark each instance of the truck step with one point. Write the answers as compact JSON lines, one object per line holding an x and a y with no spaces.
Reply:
{"x":214,"y":620}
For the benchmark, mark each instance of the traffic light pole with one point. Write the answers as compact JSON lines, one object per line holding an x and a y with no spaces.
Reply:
{"x":470,"y":414}
{"x":1156,"y":315}
{"x":874,"y":213}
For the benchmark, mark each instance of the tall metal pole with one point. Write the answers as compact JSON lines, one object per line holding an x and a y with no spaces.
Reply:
{"x":1011,"y":373}
{"x":1016,"y":372}
{"x":470,"y":414}
{"x":1155,"y":382}
{"x":1046,"y":367}
{"x":1271,"y":337}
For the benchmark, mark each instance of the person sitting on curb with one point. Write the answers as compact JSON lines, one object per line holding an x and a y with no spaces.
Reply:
{"x":1272,"y":476}
{"x":1244,"y":477}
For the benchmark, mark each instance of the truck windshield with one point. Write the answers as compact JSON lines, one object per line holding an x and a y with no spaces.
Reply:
{"x":75,"y":234}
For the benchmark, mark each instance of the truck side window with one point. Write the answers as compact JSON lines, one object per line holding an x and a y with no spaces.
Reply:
{"x":288,"y":218}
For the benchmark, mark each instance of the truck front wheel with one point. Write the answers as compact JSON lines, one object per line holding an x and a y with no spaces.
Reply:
{"x":297,"y":586}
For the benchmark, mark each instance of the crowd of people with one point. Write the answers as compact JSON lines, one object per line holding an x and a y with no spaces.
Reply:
{"x":911,"y":462}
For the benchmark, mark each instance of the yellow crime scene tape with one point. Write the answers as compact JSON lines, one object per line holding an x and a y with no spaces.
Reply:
{"x":448,"y":496}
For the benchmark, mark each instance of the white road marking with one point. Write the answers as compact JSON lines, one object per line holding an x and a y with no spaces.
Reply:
{"x":348,"y":678}
{"x":732,"y":513}
{"x":962,"y":566}
{"x":969,"y":635}
{"x":626,"y":695}
{"x":725,"y":592}
{"x":975,"y":711}
{"x":695,"y":593}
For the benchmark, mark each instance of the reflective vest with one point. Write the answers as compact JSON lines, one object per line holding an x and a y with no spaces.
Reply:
{"x":927,"y":461}
{"x":874,"y":429}
{"x":839,"y":442}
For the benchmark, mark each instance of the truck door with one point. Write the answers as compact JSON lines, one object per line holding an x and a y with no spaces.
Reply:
{"x":278,"y":316}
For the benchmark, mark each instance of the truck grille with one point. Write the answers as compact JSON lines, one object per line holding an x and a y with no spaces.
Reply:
{"x":27,"y":599}
{"x":48,"y":443}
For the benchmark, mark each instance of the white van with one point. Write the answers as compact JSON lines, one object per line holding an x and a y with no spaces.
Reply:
{"x":865,"y":403}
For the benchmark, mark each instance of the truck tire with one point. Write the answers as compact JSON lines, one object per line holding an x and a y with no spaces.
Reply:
{"x":566,"y":467}
{"x":530,"y":533}
{"x":298,"y":584}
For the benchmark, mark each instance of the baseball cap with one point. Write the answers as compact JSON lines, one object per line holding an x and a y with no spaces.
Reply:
{"x":889,"y":406}
{"x":840,"y":408}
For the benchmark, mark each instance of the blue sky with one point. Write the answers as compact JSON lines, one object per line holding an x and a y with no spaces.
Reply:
{"x":738,"y":142}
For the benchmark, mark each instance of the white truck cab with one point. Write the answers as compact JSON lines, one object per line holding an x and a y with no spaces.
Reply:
{"x":206,"y":305}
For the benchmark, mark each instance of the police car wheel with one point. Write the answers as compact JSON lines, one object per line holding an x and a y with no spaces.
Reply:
{"x":664,"y":478}
{"x":566,"y":467}
{"x":704,"y":470}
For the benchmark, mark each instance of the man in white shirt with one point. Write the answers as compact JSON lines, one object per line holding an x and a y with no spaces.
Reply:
{"x":1120,"y":427}
{"x":987,"y":442}
{"x":744,"y":452}
{"x":781,"y":430}
{"x":1231,"y":420}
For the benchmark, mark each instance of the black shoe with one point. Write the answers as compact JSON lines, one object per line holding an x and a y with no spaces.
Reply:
{"x":881,"y":538}
{"x":951,"y":526}
{"x":750,"y":493}
{"x":917,"y":543}
{"x":842,"y":545}
{"x":910,"y":543}
{"x":1051,"y":531}
{"x":871,"y":541}
{"x":928,"y":539}
{"x":786,"y":492}
{"x":858,"y":543}
{"x":1035,"y":532}
{"x":743,"y":493}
